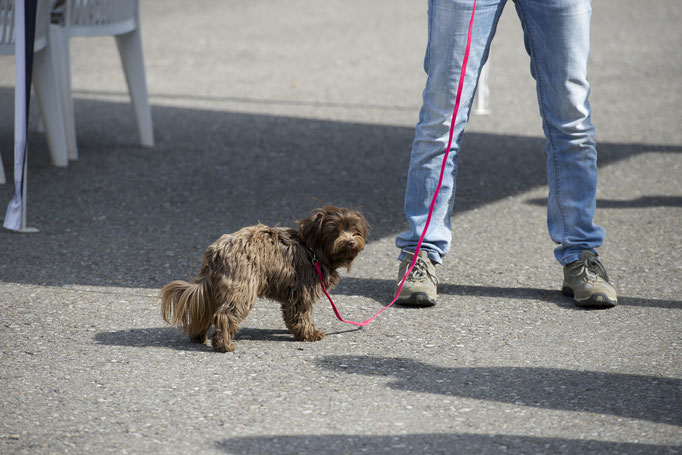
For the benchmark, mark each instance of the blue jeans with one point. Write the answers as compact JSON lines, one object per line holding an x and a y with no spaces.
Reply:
{"x":557,"y":39}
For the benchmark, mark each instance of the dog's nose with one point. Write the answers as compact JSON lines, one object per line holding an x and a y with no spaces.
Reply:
{"x":351,"y":243}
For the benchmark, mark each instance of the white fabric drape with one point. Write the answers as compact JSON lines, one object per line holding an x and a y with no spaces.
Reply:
{"x":15,"y":218}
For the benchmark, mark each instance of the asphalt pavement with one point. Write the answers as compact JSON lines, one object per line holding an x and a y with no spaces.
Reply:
{"x":264,"y":110}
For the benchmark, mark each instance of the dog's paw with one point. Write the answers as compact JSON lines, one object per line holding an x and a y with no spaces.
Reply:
{"x":200,"y":339}
{"x":221,"y":347}
{"x":316,"y":335}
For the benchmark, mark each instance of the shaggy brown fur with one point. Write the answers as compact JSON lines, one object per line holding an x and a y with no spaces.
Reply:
{"x":268,"y":262}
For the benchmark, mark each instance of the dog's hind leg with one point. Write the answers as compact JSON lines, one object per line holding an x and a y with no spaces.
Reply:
{"x":198,"y":337}
{"x":237,"y":301}
{"x":226,"y":326}
{"x":298,"y":319}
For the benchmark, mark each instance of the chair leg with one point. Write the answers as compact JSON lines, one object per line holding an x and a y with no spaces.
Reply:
{"x":39,"y":126}
{"x":59,"y":41}
{"x":130,"y":49}
{"x":3,"y":179}
{"x":47,"y":94}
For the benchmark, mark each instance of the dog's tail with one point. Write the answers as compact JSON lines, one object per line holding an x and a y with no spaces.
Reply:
{"x":191,"y":305}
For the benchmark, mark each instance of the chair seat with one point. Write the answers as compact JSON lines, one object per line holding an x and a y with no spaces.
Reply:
{"x":108,"y":29}
{"x":100,"y":17}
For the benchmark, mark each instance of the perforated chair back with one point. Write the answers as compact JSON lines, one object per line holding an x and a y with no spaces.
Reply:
{"x":7,"y":34}
{"x":7,"y":23}
{"x":100,"y":17}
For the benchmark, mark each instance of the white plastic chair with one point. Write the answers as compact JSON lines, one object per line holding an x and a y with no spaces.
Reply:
{"x":45,"y":77}
{"x":118,"y":18}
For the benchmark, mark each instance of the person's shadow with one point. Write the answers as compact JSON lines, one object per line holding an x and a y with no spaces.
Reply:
{"x":430,"y":443}
{"x":652,"y":398}
{"x":382,"y":291}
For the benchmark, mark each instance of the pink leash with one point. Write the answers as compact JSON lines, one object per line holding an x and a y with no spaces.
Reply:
{"x":435,"y":196}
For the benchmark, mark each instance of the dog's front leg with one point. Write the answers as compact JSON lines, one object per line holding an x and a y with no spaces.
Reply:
{"x":298,"y":319}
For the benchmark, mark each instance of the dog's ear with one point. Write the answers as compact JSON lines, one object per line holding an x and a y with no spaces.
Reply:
{"x":363,"y":225}
{"x":310,"y":229}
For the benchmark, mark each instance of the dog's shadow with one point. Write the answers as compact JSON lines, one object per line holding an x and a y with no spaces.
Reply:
{"x":174,"y":338}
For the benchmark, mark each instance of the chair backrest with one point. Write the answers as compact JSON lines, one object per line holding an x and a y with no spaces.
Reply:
{"x":101,"y":17}
{"x":7,"y":22}
{"x":7,"y":32}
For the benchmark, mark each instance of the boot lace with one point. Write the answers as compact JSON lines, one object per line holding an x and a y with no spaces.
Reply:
{"x":593,"y":269}
{"x":421,"y":272}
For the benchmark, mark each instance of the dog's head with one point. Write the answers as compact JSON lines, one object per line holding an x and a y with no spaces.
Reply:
{"x":334,"y":233}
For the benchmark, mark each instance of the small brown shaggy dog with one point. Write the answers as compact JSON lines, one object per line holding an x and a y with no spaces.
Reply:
{"x":270,"y":262}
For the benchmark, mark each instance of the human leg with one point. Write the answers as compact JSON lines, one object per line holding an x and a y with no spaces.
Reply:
{"x":447,"y":37}
{"x":447,"y":41}
{"x":557,"y":38}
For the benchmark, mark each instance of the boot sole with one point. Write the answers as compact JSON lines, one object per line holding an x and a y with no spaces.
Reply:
{"x":417,"y":299}
{"x":593,"y":301}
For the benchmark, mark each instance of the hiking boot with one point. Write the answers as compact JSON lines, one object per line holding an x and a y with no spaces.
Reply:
{"x":420,"y":286}
{"x":587,"y":282}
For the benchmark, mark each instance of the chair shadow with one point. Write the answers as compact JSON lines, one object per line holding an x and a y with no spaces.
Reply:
{"x":651,"y":398}
{"x":418,"y":443}
{"x":382,"y":291}
{"x":127,"y":216}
